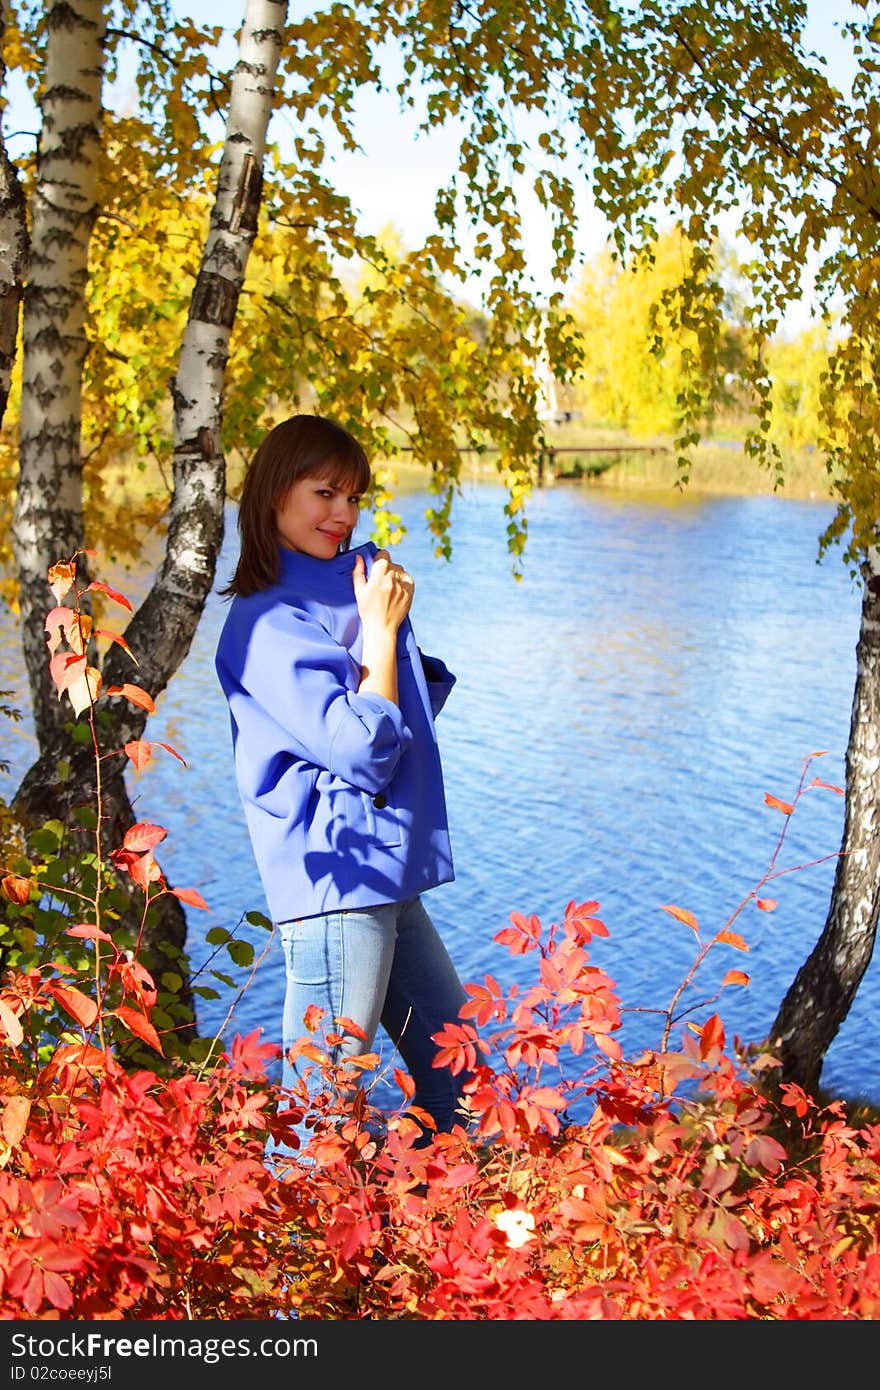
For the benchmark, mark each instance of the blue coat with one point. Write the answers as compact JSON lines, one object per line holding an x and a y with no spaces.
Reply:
{"x":342,"y":792}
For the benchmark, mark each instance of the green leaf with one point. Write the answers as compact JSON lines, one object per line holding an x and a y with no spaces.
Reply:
{"x":47,"y":838}
{"x":258,"y":919}
{"x":242,"y":952}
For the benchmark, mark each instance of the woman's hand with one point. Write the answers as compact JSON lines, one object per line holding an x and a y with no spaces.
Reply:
{"x":383,"y":599}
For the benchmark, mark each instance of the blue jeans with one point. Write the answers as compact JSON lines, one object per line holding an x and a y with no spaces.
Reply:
{"x":384,"y":964}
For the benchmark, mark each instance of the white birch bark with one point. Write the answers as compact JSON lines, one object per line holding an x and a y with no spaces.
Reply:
{"x":47,"y":523}
{"x":162,"y":630}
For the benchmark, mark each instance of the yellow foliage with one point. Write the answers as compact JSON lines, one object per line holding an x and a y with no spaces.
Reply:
{"x":623,"y":383}
{"x":796,"y":368}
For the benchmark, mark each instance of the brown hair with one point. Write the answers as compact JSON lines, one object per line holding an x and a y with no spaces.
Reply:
{"x":297,"y":448}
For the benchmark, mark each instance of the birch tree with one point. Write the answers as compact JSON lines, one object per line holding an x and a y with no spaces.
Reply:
{"x":48,"y":521}
{"x":48,"y":518}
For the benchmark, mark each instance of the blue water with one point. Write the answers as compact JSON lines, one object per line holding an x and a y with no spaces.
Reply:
{"x":620,"y":713}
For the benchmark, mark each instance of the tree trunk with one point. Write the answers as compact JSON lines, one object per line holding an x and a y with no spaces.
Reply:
{"x":48,"y":524}
{"x":824,"y":988}
{"x":161,"y":631}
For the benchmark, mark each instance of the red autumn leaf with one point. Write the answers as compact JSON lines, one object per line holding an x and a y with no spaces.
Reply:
{"x":135,"y":694}
{"x":61,"y":577}
{"x":16,"y":1112}
{"x":405,"y":1082}
{"x":522,"y":936}
{"x":115,"y":637}
{"x":829,"y":786}
{"x":135,"y":979}
{"x":303,"y":1048}
{"x":610,"y":1046}
{"x":313,"y":1016}
{"x":711,"y":1035}
{"x":733,"y":1232}
{"x":765,"y":904}
{"x":57,"y":1291}
{"x":75,"y":1003}
{"x":734,"y":977}
{"x":457,"y":1047}
{"x":138,"y":1023}
{"x":731,"y":938}
{"x":718,"y":1178}
{"x":173,"y":751}
{"x":682,"y":915}
{"x":249,"y":1055}
{"x":78,"y":1057}
{"x":784,"y":806}
{"x":65,"y":668}
{"x":140,"y":752}
{"x":766,"y":1152}
{"x":102,"y":588}
{"x":85,"y":690}
{"x":771,"y":1277}
{"x":123,"y":859}
{"x":18,"y":890}
{"x":486,"y":1002}
{"x":459,"y":1175}
{"x":10,"y":1023}
{"x":793,"y":1095}
{"x":61,"y":625}
{"x":581,"y":916}
{"x":73,"y":676}
{"x":349,"y":1028}
{"x":144,"y":870}
{"x":143,"y":836}
{"x":547,"y":1097}
{"x":87,"y":931}
{"x":191,"y":896}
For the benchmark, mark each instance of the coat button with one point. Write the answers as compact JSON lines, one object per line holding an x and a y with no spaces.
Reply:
{"x":380,"y":801}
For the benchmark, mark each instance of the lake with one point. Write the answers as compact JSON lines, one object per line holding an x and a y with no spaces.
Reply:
{"x":620,"y":713}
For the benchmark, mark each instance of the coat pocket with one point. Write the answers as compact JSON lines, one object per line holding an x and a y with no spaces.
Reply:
{"x":377,"y":817}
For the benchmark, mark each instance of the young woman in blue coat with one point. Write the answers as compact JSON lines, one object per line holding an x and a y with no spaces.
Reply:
{"x":332,"y":708}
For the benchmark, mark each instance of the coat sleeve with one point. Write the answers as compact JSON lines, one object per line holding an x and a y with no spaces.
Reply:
{"x":440,"y":681}
{"x":292,"y":670}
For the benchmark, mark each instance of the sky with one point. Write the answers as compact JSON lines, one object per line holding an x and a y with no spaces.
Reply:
{"x":395,"y":178}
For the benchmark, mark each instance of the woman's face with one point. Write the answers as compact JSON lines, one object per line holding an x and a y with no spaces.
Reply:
{"x":316,"y":516}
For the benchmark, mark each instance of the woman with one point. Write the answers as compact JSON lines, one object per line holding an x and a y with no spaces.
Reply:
{"x":332,"y":708}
